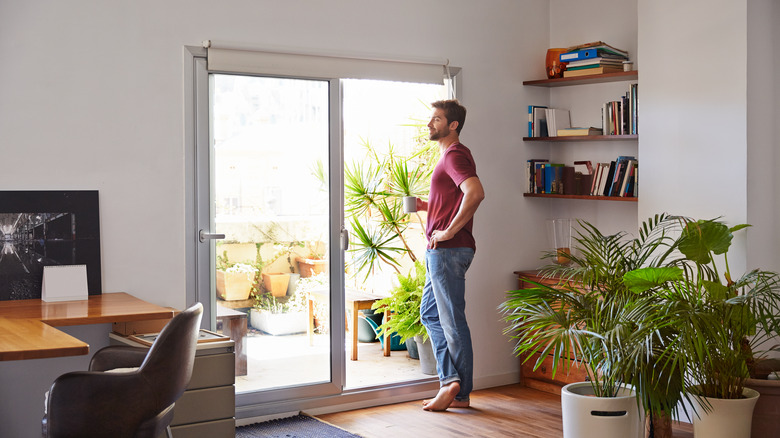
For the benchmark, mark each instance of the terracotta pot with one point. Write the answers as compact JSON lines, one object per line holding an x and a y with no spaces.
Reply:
{"x":311,"y":267}
{"x":276,"y":284}
{"x":233,"y":286}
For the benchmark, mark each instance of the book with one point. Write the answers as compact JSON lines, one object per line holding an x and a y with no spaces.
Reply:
{"x":598,"y":176}
{"x":203,"y":337}
{"x":587,"y":48}
{"x":531,"y":118}
{"x":566,"y":132}
{"x":591,"y":71}
{"x":539,"y":115}
{"x":568,"y":177}
{"x":530,"y":174}
{"x":595,"y":65}
{"x":600,"y":60}
{"x":539,"y":177}
{"x":626,"y":183}
{"x":552,"y":177}
{"x":557,"y":119}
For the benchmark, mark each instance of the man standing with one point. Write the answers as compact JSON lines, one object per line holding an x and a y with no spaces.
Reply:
{"x":455,"y":194}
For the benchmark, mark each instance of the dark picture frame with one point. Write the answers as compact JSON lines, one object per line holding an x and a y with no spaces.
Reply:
{"x":47,"y":228}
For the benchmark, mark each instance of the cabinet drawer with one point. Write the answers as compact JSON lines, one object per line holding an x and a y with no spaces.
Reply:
{"x":199,"y":405}
{"x":211,"y":429}
{"x":213,"y":370}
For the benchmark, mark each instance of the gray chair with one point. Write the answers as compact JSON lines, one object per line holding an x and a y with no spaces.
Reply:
{"x":132,"y":403}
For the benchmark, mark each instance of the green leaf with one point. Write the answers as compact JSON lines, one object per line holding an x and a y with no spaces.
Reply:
{"x":703,"y":237}
{"x":643,"y":279}
{"x":717,"y":291}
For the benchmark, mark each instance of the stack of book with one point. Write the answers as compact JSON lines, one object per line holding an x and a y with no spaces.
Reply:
{"x":616,"y":178}
{"x":620,"y":117}
{"x":593,"y":58}
{"x":543,"y":177}
{"x":546,"y":122}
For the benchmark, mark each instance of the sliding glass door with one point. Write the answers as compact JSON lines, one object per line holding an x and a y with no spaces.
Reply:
{"x":271,"y":259}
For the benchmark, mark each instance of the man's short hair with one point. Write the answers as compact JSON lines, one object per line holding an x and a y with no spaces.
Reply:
{"x":453,"y":111}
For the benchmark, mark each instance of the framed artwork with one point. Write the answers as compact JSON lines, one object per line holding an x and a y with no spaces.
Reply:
{"x":47,"y":228}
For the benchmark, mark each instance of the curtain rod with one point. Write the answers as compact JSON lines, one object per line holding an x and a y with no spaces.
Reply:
{"x":207,"y":44}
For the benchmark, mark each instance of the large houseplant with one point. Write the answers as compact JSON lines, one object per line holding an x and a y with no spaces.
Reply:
{"x":719,"y":320}
{"x":592,"y":317}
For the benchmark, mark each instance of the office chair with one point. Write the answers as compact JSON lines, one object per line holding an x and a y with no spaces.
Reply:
{"x":111,"y":401}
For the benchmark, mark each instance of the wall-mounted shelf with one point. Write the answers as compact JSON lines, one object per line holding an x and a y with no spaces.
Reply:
{"x":584,"y":138}
{"x":586,"y":197}
{"x":582,"y":80}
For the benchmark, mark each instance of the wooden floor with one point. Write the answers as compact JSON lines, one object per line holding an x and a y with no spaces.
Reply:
{"x":506,"y":411}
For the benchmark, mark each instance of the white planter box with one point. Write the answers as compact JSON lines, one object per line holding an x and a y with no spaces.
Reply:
{"x":278,"y":323}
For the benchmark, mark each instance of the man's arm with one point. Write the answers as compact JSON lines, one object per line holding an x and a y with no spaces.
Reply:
{"x":473,"y":194}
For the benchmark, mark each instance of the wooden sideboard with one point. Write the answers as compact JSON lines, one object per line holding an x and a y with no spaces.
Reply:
{"x":541,"y":378}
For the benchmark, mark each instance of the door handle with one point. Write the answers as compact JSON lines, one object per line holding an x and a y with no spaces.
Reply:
{"x":344,"y":238}
{"x":203,"y":236}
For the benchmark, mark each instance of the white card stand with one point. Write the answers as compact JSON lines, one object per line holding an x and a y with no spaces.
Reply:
{"x":64,"y":283}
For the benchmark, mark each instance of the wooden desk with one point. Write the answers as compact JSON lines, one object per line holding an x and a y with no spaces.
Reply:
{"x":27,"y":326}
{"x":354,"y":301}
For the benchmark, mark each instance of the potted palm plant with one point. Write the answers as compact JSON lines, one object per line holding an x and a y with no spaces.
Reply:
{"x":595,"y":318}
{"x":718,"y":319}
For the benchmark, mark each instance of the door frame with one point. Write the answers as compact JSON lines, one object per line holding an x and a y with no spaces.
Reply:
{"x":258,"y":407}
{"x":199,"y":212}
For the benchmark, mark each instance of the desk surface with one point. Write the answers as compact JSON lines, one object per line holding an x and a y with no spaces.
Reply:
{"x":26,"y":330}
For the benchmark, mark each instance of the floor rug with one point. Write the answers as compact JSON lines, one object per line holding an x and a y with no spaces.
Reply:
{"x":298,"y":426}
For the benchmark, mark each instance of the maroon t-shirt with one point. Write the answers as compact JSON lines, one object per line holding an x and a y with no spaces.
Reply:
{"x":454,"y":167}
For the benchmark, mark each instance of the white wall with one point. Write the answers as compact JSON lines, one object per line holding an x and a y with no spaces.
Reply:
{"x":91,"y":98}
{"x":573,"y":23}
{"x":763,"y":133}
{"x":693,"y":144}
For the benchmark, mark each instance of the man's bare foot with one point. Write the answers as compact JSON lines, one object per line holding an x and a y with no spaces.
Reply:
{"x":444,"y":399}
{"x":454,"y":404}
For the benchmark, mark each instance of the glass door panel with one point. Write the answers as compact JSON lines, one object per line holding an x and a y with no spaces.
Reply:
{"x":385,"y":129}
{"x":270,"y":198}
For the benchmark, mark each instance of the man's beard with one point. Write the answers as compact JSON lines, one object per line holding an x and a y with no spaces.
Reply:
{"x":438,"y":134}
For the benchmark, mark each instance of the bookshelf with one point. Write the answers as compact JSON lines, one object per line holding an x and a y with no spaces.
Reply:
{"x":584,"y":80}
{"x":576,"y":81}
{"x":584,"y":138}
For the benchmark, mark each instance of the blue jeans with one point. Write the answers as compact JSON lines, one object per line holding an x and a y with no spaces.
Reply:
{"x":443,"y":312}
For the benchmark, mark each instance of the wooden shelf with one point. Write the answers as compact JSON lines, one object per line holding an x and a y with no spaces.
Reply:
{"x":586,"y":197}
{"x":584,"y":138}
{"x":582,"y":80}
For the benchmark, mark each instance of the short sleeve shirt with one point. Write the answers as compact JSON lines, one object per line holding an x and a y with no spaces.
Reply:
{"x":454,"y":167}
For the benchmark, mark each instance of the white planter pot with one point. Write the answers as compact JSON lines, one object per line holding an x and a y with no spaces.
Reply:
{"x":427,"y":358}
{"x":728,"y":418}
{"x":587,"y":416}
{"x":278,"y":323}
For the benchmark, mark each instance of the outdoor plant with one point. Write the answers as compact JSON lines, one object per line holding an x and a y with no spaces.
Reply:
{"x":404,"y":305}
{"x":373,"y":192}
{"x":292,"y":304}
